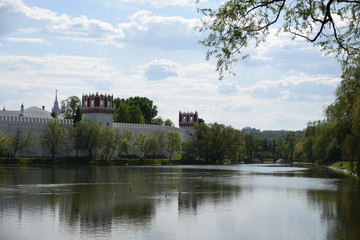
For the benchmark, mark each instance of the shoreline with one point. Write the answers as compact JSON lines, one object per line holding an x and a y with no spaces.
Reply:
{"x":342,"y":170}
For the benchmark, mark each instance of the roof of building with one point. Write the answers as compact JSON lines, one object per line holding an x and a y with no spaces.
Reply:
{"x":34,"y":112}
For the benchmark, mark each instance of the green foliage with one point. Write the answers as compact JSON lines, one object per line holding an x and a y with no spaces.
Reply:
{"x":54,"y":137}
{"x":126,"y":142}
{"x":215,"y":143}
{"x":235,"y":25}
{"x":337,"y":138}
{"x":251,"y":145}
{"x":169,"y":123}
{"x":86,"y":136}
{"x":21,"y":140}
{"x":146,"y":144}
{"x":135,"y":115}
{"x":70,"y":108}
{"x":160,"y":121}
{"x":173,"y":143}
{"x":145,"y":105}
{"x":122,"y":113}
{"x":4,"y":142}
{"x":157,"y":121}
{"x":109,"y":142}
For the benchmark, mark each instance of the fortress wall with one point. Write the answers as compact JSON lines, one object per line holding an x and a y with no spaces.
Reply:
{"x":149,"y":129}
{"x":9,"y":124}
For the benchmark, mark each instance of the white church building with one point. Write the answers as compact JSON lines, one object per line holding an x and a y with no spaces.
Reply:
{"x":96,"y":107}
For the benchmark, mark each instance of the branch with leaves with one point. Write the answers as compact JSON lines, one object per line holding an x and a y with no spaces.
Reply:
{"x":234,"y":25}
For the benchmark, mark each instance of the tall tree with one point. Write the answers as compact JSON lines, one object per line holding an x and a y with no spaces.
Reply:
{"x":148,"y":109}
{"x":122,"y":113}
{"x":135,"y":115}
{"x":250,"y":145}
{"x":86,"y":137}
{"x":4,"y":141}
{"x":70,"y":107}
{"x":109,"y":142}
{"x":53,"y":137}
{"x":217,"y":142}
{"x":234,"y":25}
{"x":126,"y":142}
{"x":21,"y":140}
{"x":173,"y":143}
{"x":140,"y":144}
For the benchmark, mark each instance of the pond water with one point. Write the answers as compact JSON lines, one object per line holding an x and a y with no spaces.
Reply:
{"x":178,"y":202}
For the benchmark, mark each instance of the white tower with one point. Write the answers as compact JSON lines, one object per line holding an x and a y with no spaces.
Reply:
{"x":187,"y":121}
{"x":98,"y":108}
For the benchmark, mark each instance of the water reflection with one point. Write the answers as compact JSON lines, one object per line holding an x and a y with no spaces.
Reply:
{"x":202,"y":202}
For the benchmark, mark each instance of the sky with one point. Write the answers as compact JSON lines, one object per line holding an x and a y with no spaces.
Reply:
{"x":150,"y":48}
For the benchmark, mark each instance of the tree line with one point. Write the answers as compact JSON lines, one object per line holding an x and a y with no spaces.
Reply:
{"x":87,"y":139}
{"x":218,"y":144}
{"x":337,"y":137}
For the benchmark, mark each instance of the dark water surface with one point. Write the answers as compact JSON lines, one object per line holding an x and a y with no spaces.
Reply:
{"x":181,"y":202}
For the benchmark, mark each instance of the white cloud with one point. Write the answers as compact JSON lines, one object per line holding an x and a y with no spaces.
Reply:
{"x":227,"y":88}
{"x":159,"y":69}
{"x":159,"y":31}
{"x":19,"y":16}
{"x":143,"y":27}
{"x":161,"y":3}
{"x":29,"y":40}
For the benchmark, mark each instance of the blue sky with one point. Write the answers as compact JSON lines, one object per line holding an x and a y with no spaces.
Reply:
{"x":150,"y":48}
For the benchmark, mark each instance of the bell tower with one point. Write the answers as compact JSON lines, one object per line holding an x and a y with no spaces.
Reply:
{"x":56,"y":108}
{"x":98,"y":108}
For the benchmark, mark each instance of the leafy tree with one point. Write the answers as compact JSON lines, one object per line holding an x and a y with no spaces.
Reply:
{"x":234,"y":25}
{"x":126,"y":142}
{"x":78,"y":115}
{"x":54,"y":137}
{"x":70,"y":108}
{"x":140,"y":144}
{"x":147,"y":108}
{"x":189,"y":152}
{"x":250,"y":145}
{"x":53,"y":114}
{"x":173,"y":143}
{"x":86,"y":137}
{"x":136,"y":115}
{"x":4,"y":141}
{"x":289,"y":144}
{"x":122,"y":113}
{"x":110,"y":139}
{"x":355,"y":138}
{"x":217,"y":142}
{"x":146,"y":144}
{"x":157,"y":121}
{"x":154,"y":143}
{"x":347,"y":91}
{"x":169,"y":123}
{"x":21,"y":140}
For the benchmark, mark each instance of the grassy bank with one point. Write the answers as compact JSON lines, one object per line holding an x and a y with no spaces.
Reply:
{"x":346,"y":167}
